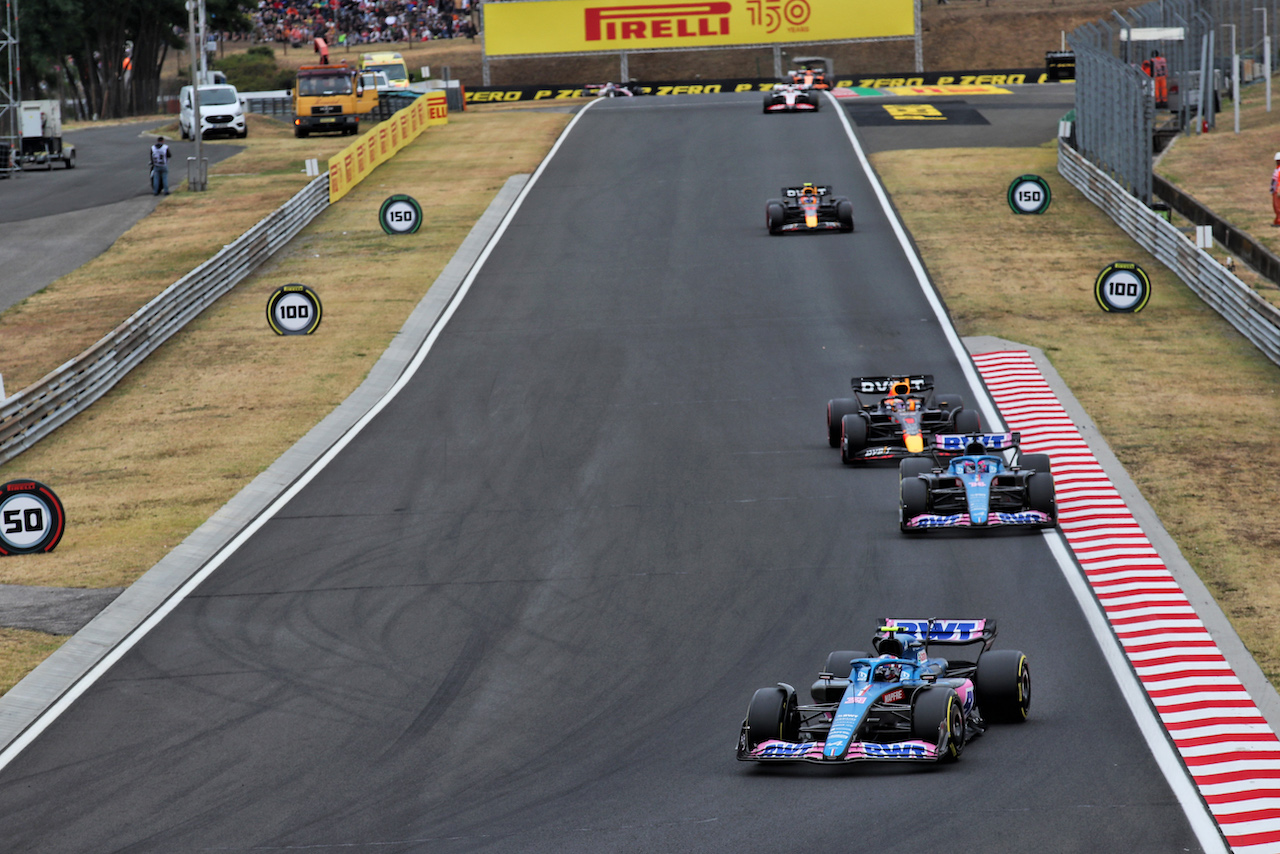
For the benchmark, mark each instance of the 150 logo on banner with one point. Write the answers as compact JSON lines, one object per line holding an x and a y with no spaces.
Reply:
{"x":771,"y":13}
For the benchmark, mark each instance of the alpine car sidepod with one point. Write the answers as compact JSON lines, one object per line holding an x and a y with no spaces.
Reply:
{"x":785,"y":98}
{"x":904,"y":705}
{"x":979,"y":488}
{"x":889,"y":418}
{"x":809,"y":207}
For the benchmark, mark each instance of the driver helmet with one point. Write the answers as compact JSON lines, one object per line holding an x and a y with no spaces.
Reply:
{"x":887,"y":673}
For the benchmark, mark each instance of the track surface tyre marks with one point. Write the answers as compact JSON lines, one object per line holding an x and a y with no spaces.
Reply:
{"x":526,"y":608}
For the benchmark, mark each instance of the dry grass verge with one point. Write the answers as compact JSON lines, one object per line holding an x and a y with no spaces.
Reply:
{"x":219,"y":402}
{"x":1186,"y":403}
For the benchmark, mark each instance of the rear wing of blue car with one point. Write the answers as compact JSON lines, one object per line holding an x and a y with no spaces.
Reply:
{"x":939,"y":630}
{"x":884,"y":385}
{"x":958,"y":443}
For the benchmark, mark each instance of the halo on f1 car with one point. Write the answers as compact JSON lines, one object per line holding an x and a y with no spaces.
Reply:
{"x":978,"y":487}
{"x":809,"y":207}
{"x":901,"y":704}
{"x":892,"y":417}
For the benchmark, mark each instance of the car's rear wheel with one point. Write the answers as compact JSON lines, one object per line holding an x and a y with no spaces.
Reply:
{"x":772,"y":715}
{"x":912,"y":466}
{"x":967,"y":421}
{"x":836,"y":410}
{"x":774,"y":217}
{"x":1003,"y":685}
{"x":839,"y":663}
{"x":1041,"y":494}
{"x":853,"y":437}
{"x":1035,"y":462}
{"x":915,"y":500}
{"x":937,"y":714}
{"x":844,"y":214}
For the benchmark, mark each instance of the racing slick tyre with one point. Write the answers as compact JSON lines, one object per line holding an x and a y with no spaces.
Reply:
{"x":772,"y":714}
{"x":967,"y":421}
{"x":936,"y":712}
{"x":837,"y":409}
{"x":912,"y":466}
{"x":844,"y":213}
{"x":774,"y":216}
{"x":915,"y":501}
{"x":839,"y":663}
{"x":816,"y":101}
{"x":1035,"y":462}
{"x":853,"y":437}
{"x":1003,"y":686}
{"x":1041,"y":494}
{"x":768,"y":102}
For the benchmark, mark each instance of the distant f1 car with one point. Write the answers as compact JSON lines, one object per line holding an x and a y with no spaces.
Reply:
{"x":810,"y":78}
{"x":889,"y":418}
{"x":809,"y":207}
{"x":979,"y":488}
{"x":785,"y":98}
{"x":903,"y":705}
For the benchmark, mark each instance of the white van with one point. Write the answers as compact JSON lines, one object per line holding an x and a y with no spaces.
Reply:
{"x":220,"y":112}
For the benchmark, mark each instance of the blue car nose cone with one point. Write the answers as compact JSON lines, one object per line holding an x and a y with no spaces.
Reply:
{"x":978,"y":495}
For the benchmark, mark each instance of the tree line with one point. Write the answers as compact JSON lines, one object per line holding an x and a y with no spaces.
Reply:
{"x":107,"y":57}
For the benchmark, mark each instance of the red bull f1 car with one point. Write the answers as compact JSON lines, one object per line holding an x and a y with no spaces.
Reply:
{"x":785,"y":98}
{"x":977,"y":487}
{"x":809,"y":207}
{"x":890,"y":418}
{"x":905,"y":703}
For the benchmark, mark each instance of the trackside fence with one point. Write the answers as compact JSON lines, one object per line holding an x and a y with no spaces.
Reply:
{"x":45,"y":405}
{"x":1254,"y":317}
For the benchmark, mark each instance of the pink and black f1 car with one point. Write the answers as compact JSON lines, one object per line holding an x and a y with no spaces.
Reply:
{"x":788,"y":98}
{"x":889,"y":418}
{"x":977,"y":487}
{"x":809,"y":207}
{"x":901,"y":704}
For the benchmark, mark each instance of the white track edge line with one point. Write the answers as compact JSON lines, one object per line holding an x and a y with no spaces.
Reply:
{"x":1194,"y":807}
{"x":104,"y":664}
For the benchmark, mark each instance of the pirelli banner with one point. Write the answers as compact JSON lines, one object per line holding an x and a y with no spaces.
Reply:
{"x":532,"y":27}
{"x":350,"y":165}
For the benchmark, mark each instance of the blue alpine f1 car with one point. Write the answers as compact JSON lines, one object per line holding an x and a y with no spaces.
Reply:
{"x":905,"y":703}
{"x":977,"y":488}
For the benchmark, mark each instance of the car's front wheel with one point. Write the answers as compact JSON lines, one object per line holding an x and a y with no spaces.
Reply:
{"x":853,"y":437}
{"x":772,"y":715}
{"x":937,"y":717}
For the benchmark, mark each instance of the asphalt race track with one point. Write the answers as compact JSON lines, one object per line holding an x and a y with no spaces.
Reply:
{"x":526,"y":608}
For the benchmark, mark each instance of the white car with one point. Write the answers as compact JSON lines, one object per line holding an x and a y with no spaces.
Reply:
{"x":220,"y":112}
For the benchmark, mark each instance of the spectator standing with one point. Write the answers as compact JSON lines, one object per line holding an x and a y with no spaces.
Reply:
{"x":1275,"y":192}
{"x":160,"y":157}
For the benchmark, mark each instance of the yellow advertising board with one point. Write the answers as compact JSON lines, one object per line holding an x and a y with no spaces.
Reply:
{"x":350,"y":165}
{"x":523,"y":27}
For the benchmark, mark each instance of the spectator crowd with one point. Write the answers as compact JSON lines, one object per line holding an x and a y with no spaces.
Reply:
{"x":358,"y":22}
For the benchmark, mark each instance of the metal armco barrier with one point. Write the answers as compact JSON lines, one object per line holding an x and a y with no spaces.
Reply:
{"x":1254,"y":317}
{"x":1237,"y":242}
{"x":47,"y":404}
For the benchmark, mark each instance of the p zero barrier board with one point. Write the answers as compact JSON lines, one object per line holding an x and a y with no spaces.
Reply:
{"x":531,"y":27}
{"x":350,"y":165}
{"x":1230,"y":751}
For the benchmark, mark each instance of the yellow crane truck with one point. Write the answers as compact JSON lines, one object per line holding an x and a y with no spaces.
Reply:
{"x":330,"y":99}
